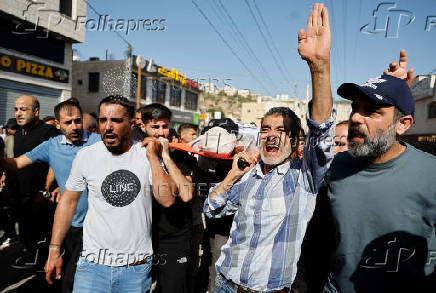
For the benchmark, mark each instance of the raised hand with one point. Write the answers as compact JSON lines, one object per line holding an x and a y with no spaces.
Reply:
{"x":314,"y":45}
{"x":399,"y":69}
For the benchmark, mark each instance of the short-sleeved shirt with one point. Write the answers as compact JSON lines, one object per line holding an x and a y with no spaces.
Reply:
{"x":59,"y":154}
{"x":175,"y":222}
{"x":117,"y":226}
{"x":32,"y":178}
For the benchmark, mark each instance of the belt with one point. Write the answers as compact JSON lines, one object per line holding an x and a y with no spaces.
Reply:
{"x":140,"y":262}
{"x":241,"y":289}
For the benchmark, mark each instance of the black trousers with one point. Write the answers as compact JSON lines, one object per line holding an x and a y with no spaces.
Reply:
{"x":170,"y":264}
{"x":73,"y":247}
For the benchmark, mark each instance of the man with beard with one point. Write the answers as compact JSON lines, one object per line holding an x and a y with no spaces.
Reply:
{"x":59,"y":153}
{"x":273,"y":199}
{"x":341,"y":144}
{"x":121,"y":179}
{"x":382,"y":194}
{"x":172,"y":226}
{"x":138,"y":130}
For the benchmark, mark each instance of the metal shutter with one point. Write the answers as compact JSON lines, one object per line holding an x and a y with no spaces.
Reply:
{"x":11,"y":90}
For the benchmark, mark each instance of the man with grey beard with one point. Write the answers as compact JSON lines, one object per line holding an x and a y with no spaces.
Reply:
{"x":273,"y":199}
{"x":381,"y":194}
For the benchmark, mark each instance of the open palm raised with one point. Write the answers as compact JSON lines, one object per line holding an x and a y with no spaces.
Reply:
{"x":314,"y":45}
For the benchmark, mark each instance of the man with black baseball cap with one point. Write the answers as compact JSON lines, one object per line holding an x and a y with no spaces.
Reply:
{"x":381,"y":194}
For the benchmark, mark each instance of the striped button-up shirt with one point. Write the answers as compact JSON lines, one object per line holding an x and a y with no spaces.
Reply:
{"x":271,"y":214}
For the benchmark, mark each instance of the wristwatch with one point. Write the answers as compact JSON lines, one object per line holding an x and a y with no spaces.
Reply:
{"x":45,"y":194}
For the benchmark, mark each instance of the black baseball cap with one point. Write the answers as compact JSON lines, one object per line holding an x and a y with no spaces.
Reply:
{"x":384,"y":89}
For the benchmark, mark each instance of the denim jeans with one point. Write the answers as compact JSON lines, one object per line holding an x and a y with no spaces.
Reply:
{"x":96,"y":278}
{"x":221,"y":285}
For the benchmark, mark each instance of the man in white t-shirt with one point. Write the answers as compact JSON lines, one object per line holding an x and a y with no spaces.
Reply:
{"x":121,"y":178}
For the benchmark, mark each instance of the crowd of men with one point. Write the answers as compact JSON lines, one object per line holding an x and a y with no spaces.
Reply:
{"x":343,"y":208}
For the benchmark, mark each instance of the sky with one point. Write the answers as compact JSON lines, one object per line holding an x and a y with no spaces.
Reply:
{"x":219,"y":40}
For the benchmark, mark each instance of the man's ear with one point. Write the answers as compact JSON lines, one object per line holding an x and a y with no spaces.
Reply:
{"x":404,"y":124}
{"x":57,"y":124}
{"x":132,"y":123}
{"x":36,"y":112}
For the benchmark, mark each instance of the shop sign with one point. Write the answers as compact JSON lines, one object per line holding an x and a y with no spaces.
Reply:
{"x":34,"y":69}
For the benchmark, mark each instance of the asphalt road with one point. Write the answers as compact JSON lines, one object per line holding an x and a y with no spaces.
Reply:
{"x":21,"y":280}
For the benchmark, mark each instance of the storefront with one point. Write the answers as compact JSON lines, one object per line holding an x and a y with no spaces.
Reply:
{"x":35,"y":55}
{"x":20,"y":76}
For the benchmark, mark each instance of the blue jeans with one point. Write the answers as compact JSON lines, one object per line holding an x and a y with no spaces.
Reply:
{"x":96,"y":278}
{"x":221,"y":285}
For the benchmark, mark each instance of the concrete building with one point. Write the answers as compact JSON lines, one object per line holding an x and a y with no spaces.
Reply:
{"x":245,"y":93}
{"x":282,"y":97}
{"x":424,"y":93}
{"x":253,"y":112}
{"x":209,"y":88}
{"x":230,"y":91}
{"x":36,"y":51}
{"x":95,"y":79}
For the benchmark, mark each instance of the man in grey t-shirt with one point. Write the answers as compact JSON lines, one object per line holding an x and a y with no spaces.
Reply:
{"x":121,"y":177}
{"x":382,"y":194}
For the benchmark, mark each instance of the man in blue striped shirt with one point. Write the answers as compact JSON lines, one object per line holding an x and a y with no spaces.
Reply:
{"x":273,"y":199}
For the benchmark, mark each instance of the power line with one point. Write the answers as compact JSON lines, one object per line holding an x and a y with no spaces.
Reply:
{"x":223,"y":15}
{"x":99,"y":14}
{"x":228,"y":46}
{"x":266,"y":41}
{"x":245,"y":44}
{"x":271,"y":37}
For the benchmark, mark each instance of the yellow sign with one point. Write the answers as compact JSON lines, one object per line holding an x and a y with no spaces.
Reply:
{"x":203,"y":116}
{"x":173,"y":74}
{"x":32,"y":68}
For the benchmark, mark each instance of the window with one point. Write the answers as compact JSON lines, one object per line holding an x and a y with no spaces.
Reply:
{"x":158,"y":91}
{"x":432,"y":110}
{"x":175,"y":96}
{"x":191,"y":100}
{"x":79,"y":82}
{"x":94,"y":82}
{"x":66,"y":7}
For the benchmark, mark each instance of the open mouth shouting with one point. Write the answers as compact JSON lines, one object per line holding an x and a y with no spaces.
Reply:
{"x":110,"y":138}
{"x":272,"y":148}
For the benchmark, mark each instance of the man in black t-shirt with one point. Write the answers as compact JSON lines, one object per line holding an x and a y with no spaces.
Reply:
{"x":172,"y":226}
{"x":32,"y":212}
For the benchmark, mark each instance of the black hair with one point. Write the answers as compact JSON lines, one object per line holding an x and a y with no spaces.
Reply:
{"x":48,"y":118}
{"x":186,"y":126}
{"x":2,"y":145}
{"x":66,"y":105}
{"x":35,"y":104}
{"x":155,"y":111}
{"x":172,"y":134}
{"x":119,"y":100}
{"x":139,"y":110}
{"x":291,"y":122}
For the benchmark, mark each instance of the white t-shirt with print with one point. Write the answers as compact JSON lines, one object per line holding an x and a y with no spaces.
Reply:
{"x":117,"y":226}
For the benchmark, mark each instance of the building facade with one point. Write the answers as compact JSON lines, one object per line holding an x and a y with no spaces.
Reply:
{"x":95,"y":79}
{"x":253,"y":112}
{"x":36,"y":51}
{"x":424,"y":93}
